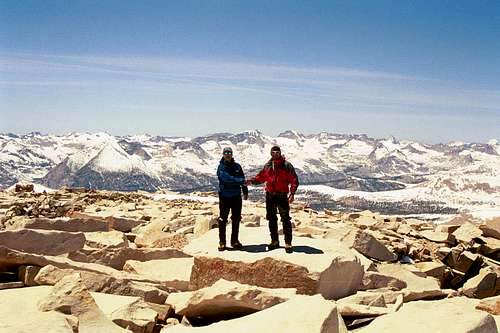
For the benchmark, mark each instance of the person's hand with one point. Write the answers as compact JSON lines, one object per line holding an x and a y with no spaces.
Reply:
{"x":245,"y":196}
{"x":248,"y":182}
{"x":291,"y":198}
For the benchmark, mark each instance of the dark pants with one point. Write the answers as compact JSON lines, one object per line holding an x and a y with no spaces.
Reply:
{"x":279,"y":202}
{"x":227,"y":204}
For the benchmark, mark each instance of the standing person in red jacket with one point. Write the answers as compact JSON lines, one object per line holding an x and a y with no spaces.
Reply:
{"x":281,"y":185}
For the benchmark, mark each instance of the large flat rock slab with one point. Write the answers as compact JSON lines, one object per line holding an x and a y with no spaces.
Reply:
{"x":311,"y":314}
{"x":116,"y":257}
{"x":138,"y":317}
{"x":227,"y":299}
{"x":103,"y":283}
{"x":361,"y":241}
{"x":418,"y":285}
{"x":456,"y":315}
{"x":319,"y":266}
{"x":62,"y":224}
{"x":42,"y":241}
{"x":106,"y":239}
{"x":123,"y":224}
{"x":19,"y":313}
{"x":70,"y":296}
{"x":490,"y":304}
{"x":13,"y":258}
{"x":10,"y":258}
{"x":173,"y":272}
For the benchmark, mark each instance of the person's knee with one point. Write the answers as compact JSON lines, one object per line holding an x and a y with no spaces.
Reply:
{"x":271,"y":217}
{"x":285,"y":218}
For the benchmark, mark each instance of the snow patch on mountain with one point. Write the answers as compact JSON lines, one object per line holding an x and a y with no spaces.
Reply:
{"x":112,"y":158}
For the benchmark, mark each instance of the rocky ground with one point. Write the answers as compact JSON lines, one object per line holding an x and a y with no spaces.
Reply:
{"x":96,"y":261}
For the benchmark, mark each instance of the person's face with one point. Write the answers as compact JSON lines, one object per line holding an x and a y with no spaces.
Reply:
{"x":275,"y":154}
{"x":227,"y":156}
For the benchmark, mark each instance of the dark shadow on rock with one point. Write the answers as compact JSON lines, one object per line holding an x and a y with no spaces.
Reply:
{"x":307,"y":249}
{"x":255,"y":248}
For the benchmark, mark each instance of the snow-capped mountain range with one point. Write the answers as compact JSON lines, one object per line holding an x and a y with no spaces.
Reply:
{"x":330,"y":164}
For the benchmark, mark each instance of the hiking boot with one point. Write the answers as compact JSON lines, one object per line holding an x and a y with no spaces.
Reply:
{"x":273,"y":245}
{"x":236,"y":245}
{"x":222,"y":246}
{"x":288,"y":248}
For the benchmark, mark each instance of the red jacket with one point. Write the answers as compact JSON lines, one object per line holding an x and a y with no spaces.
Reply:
{"x":278,"y":175}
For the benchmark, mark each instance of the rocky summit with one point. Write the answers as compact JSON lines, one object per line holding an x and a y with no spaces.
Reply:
{"x":83,"y":260}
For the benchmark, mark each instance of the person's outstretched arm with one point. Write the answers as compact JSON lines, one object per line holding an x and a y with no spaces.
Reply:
{"x":244,"y":187}
{"x":226,"y":178}
{"x":260,"y":178}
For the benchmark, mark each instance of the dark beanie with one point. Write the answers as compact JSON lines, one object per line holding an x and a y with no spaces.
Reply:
{"x":276,"y":148}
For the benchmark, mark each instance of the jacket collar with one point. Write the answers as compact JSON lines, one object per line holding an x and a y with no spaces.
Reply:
{"x":279,"y":162}
{"x":223,"y":161}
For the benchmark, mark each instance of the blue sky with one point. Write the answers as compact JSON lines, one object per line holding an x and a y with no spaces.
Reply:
{"x":426,"y":70}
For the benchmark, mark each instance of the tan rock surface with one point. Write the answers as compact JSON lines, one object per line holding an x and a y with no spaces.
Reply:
{"x":27,"y":274}
{"x":12,"y":258}
{"x":373,"y":297}
{"x":50,"y":275}
{"x":116,"y":258}
{"x":203,"y":224}
{"x":316,"y":266}
{"x":42,"y":241}
{"x":251,"y":220}
{"x":455,"y":315}
{"x":137,"y":317}
{"x":360,"y":310}
{"x":174,"y":272}
{"x":432,"y":268}
{"x":69,"y":296}
{"x":361,"y":241}
{"x":418,"y":286}
{"x":491,"y":247}
{"x":19,"y":313}
{"x":376,"y":280}
{"x":467,"y":232}
{"x":63,"y":224}
{"x":123,"y":224}
{"x":278,"y":318}
{"x":482,"y":285}
{"x":490,"y":305}
{"x":491,"y":228}
{"x":105,"y":239}
{"x":438,"y":237}
{"x":225,"y":298}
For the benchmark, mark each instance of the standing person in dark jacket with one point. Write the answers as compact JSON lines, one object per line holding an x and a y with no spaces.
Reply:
{"x":231,"y":183}
{"x":281,"y":179}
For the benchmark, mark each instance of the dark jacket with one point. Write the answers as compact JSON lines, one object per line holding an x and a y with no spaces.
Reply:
{"x":279,"y":176}
{"x":231,"y":179}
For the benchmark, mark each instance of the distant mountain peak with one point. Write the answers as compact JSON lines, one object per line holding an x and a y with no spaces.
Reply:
{"x":252,"y":132}
{"x":291,"y":134}
{"x":113,"y":158}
